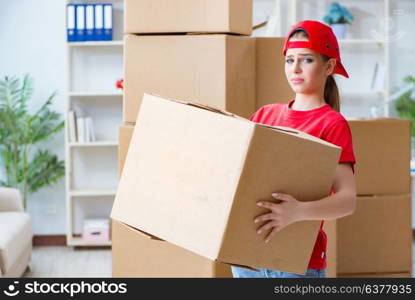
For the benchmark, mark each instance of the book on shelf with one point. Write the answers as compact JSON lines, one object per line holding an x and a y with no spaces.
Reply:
{"x":80,"y":122}
{"x":80,"y":23}
{"x":99,"y":22}
{"x":90,"y":133}
{"x":89,"y":22}
{"x":108,"y":21}
{"x":70,"y":23}
{"x":378,"y":79}
{"x":72,"y":126}
{"x":81,"y":125}
{"x":85,"y":130}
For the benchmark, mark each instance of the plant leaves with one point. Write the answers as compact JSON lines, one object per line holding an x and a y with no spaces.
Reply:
{"x":20,"y":131}
{"x":44,"y":169}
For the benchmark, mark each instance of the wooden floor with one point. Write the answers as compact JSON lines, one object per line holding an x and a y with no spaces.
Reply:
{"x":51,"y":261}
{"x":48,"y":261}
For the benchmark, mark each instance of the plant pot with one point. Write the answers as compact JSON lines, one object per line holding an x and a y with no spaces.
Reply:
{"x":339,"y":30}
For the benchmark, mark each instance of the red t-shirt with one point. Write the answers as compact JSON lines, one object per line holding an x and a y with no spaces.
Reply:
{"x":322,"y":122}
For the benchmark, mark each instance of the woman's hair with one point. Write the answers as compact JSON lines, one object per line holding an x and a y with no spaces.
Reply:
{"x":331,"y":92}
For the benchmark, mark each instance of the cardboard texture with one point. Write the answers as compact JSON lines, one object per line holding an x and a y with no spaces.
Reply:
{"x":376,"y":275}
{"x":193,"y":176}
{"x":161,"y":16}
{"x":383,"y":153}
{"x":216,"y":70}
{"x":271,"y":84}
{"x":377,"y":238}
{"x":154,"y":258}
{"x":124,"y":132}
{"x":136,"y":255}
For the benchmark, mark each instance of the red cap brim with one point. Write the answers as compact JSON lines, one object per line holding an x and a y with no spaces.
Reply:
{"x":339,"y":69}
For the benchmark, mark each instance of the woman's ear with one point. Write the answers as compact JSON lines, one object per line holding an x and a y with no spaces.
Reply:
{"x":331,"y":64}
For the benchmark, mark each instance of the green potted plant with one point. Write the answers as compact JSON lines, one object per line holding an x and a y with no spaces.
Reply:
{"x":24,"y":165}
{"x":338,"y":18}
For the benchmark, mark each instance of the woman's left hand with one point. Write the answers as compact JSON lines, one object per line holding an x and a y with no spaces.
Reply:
{"x":281,"y":214}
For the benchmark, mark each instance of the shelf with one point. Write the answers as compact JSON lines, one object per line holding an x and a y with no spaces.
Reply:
{"x":95,"y":43}
{"x":95,"y":94}
{"x":78,"y":241}
{"x":91,"y":193}
{"x":95,"y":144}
{"x":91,"y":71}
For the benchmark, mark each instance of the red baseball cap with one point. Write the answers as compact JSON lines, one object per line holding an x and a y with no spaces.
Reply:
{"x":321,"y":39}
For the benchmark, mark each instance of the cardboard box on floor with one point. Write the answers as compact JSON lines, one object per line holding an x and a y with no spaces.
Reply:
{"x":383,"y":153}
{"x":137,"y":255}
{"x":161,"y":16}
{"x":377,"y":238}
{"x":271,"y":84}
{"x":193,"y":175}
{"x":216,"y":70}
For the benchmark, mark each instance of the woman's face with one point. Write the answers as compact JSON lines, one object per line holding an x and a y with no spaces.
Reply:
{"x":306,"y":71}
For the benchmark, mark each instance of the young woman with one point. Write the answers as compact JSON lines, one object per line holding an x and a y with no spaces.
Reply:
{"x":312,"y":56}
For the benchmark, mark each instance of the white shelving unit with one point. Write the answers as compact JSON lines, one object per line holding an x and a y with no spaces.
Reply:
{"x":92,"y":69}
{"x":92,"y":43}
{"x":95,"y":94}
{"x":95,"y":144}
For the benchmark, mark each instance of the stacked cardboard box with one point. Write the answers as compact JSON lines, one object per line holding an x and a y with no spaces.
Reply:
{"x":187,"y":49}
{"x":197,"y":50}
{"x":376,"y":241}
{"x":271,"y":83}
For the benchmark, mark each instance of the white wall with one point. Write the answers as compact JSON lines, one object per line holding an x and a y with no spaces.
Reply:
{"x":32,"y":40}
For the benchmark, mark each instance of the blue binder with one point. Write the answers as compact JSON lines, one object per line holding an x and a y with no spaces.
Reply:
{"x":108,"y":22}
{"x":80,"y":22}
{"x":99,"y":22}
{"x":89,"y":23}
{"x":70,"y":23}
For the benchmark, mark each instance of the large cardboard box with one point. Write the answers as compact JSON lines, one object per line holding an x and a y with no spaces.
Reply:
{"x":153,"y":257}
{"x":377,"y":238}
{"x":124,"y":132}
{"x":193,"y":176}
{"x":383,"y":153}
{"x":163,"y":16}
{"x":271,"y":84}
{"x":216,"y":70}
{"x":137,"y":255}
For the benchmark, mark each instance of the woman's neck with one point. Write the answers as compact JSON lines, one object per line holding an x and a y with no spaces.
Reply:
{"x":307,"y":102}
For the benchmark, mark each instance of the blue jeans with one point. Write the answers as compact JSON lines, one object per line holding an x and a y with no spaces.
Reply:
{"x":265,"y":273}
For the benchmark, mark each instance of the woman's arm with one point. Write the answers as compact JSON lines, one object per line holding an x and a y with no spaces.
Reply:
{"x":290,"y":210}
{"x":337,"y":205}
